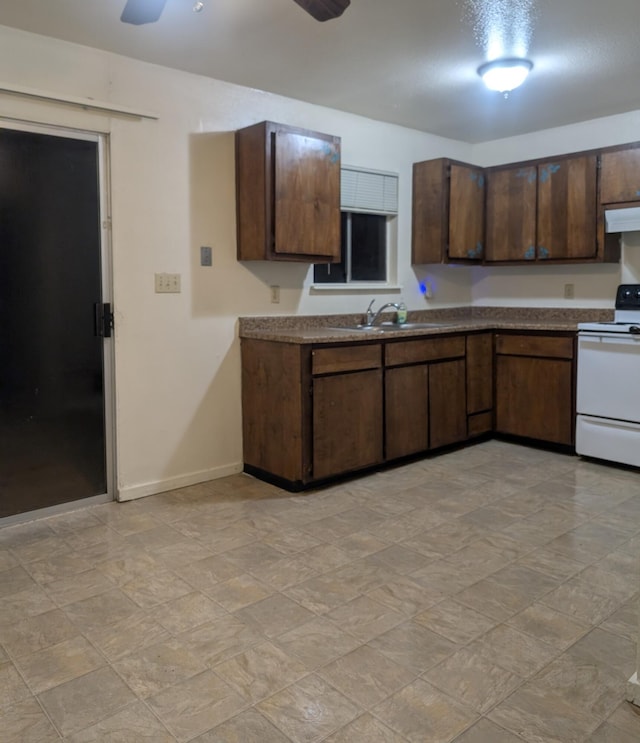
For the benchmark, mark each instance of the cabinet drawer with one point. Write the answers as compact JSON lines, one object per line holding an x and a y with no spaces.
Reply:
{"x":425,"y":349}
{"x":480,"y":423}
{"x":345,"y":358}
{"x":535,"y":345}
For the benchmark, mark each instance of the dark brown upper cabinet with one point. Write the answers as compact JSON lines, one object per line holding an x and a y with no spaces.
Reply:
{"x":448,"y":212}
{"x":511,"y":213}
{"x":620,"y":175}
{"x":543,"y":211}
{"x":287,"y":194}
{"x":568,"y":209}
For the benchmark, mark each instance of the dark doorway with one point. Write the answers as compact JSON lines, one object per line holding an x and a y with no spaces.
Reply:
{"x":52,"y":403}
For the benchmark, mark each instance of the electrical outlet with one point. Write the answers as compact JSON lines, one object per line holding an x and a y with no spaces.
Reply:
{"x":275,"y":295}
{"x":569,"y":291}
{"x":168,"y":283}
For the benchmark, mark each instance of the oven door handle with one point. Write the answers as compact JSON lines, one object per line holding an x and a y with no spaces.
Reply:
{"x":620,"y":339}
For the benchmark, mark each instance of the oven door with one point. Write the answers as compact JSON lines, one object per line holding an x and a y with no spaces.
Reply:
{"x":609,"y":375}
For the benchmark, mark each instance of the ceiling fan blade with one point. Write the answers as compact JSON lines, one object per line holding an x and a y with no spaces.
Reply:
{"x":324,"y":10}
{"x":142,"y":11}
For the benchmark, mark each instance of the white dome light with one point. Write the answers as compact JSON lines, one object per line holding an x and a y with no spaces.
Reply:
{"x":504,"y":75}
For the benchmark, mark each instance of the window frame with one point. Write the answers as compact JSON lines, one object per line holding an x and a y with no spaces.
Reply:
{"x":383,"y":202}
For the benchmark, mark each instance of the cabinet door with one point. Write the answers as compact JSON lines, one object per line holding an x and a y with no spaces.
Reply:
{"x":447,"y":212}
{"x":307,"y":195}
{"x":479,"y":373}
{"x":447,"y":403}
{"x":406,"y":410}
{"x":429,"y":211}
{"x":273,"y":408}
{"x":466,"y":212}
{"x":534,"y":398}
{"x":620,"y":176}
{"x":567,"y":208}
{"x":347,"y":422}
{"x":511,"y":214}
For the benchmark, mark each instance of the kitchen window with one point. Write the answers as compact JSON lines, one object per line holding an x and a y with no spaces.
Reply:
{"x":369,"y":203}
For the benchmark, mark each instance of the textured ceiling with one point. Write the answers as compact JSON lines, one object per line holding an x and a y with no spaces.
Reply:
{"x":410,"y":62}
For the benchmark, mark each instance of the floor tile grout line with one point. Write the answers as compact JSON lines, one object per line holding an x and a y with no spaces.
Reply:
{"x":48,"y":716}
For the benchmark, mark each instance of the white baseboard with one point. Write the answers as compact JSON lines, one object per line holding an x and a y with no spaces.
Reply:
{"x":633,"y":690}
{"x":173,"y":483}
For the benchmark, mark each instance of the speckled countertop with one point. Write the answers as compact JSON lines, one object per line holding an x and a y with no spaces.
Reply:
{"x":326,"y":328}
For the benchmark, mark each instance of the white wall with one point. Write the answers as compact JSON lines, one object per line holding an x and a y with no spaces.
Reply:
{"x":172,"y":189}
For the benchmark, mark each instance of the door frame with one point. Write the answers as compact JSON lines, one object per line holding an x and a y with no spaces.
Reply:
{"x":102,"y":141}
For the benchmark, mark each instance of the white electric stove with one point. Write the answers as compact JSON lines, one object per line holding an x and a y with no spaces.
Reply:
{"x":608,"y":384}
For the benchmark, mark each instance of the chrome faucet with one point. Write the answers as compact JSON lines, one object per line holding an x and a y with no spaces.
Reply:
{"x":371,"y":316}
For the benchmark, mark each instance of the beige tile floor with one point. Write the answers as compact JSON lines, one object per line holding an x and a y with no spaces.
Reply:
{"x":487,"y":595}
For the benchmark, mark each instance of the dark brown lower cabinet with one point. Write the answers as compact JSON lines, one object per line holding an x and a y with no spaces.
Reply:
{"x":312,"y":412}
{"x":447,"y":403}
{"x":425,"y":395}
{"x":274,"y":407}
{"x":479,"y":384}
{"x":407,"y":410}
{"x":347,"y":422}
{"x":535,"y":387}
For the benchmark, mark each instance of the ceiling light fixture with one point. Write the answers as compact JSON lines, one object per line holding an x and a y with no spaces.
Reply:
{"x":504,"y":75}
{"x":198,"y":6}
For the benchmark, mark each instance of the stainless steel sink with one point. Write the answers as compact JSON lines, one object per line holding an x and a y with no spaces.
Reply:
{"x":360,"y":329}
{"x":387,"y":327}
{"x":414,"y":325}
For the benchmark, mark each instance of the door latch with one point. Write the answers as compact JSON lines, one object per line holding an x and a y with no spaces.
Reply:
{"x":103,"y":319}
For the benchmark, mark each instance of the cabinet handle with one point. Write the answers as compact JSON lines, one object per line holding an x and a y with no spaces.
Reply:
{"x":530,"y":174}
{"x":477,"y":178}
{"x":546,"y":173}
{"x":476,"y":252}
{"x":530,"y":253}
{"x":543,"y":253}
{"x":331,"y":151}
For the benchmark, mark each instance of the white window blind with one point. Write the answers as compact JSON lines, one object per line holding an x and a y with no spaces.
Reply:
{"x":368,"y":191}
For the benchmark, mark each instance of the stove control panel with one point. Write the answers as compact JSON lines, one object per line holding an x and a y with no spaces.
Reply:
{"x":628,"y":297}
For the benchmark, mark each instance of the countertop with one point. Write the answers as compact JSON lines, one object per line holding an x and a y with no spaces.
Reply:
{"x":319,"y":329}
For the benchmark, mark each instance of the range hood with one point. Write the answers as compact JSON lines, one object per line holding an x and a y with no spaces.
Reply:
{"x":622,"y":220}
